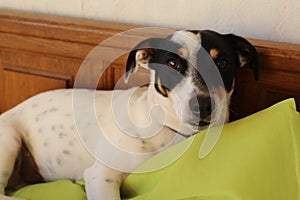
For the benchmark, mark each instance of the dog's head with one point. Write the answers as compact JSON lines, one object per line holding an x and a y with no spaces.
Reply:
{"x":193,"y":74}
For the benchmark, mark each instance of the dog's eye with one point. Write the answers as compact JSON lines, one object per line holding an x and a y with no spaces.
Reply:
{"x":222,"y":63}
{"x":173,"y":63}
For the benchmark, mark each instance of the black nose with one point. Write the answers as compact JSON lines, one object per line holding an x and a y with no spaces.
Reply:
{"x":201,"y":106}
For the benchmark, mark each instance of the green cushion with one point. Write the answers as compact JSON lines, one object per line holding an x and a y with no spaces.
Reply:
{"x":256,"y":157}
{"x":58,"y":190}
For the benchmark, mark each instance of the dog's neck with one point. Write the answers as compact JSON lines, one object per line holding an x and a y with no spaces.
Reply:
{"x":147,"y":111}
{"x":154,"y":111}
{"x":144,"y":108}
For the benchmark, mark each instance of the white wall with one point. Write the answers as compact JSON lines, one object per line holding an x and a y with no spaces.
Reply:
{"x":277,"y":20}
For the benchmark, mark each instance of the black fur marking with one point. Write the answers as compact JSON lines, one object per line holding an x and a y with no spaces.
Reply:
{"x":168,"y":76}
{"x":231,"y":50}
{"x":211,"y":40}
{"x":229,"y":47}
{"x":161,"y":51}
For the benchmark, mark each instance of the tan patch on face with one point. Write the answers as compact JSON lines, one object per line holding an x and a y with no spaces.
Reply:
{"x":214,"y":53}
{"x":161,"y":89}
{"x":183,"y":52}
{"x":233,"y":86}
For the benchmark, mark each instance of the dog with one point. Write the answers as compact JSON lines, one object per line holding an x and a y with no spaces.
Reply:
{"x":39,"y":138}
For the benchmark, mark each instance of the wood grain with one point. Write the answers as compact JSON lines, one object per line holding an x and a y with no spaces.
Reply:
{"x":41,"y":52}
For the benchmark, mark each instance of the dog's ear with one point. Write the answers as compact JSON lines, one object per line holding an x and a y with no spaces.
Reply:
{"x":247,"y":53}
{"x":140,"y":56}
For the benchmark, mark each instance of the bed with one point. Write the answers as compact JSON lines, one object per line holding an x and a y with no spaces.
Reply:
{"x":42,"y":52}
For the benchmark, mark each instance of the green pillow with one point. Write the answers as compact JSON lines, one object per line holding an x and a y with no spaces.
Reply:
{"x":255,"y":158}
{"x":58,"y":190}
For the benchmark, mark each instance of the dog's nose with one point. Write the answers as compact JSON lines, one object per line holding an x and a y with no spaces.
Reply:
{"x":201,"y":106}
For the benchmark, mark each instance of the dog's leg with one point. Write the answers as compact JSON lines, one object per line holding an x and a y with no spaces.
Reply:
{"x":10,"y":144}
{"x":102,"y":182}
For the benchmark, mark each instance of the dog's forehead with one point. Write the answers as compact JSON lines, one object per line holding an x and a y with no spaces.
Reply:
{"x":188,"y":41}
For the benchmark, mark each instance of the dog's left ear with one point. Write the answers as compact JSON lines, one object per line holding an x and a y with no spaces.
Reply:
{"x":140,"y":55}
{"x":247,"y":53}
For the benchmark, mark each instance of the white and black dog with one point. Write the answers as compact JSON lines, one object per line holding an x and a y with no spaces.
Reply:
{"x":39,"y":138}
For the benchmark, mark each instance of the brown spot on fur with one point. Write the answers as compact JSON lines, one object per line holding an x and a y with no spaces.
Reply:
{"x":70,"y":143}
{"x":66,"y":152}
{"x":53,"y":109}
{"x":62,"y":135}
{"x":109,"y":180}
{"x":59,"y":161}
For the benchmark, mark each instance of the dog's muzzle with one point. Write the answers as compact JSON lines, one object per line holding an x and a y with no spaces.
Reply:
{"x":202,"y":107}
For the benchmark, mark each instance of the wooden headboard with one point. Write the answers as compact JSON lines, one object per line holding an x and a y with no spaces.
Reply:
{"x":43,"y":52}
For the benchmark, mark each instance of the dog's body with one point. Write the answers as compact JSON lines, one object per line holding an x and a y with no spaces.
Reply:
{"x":63,"y":154}
{"x":49,"y":135}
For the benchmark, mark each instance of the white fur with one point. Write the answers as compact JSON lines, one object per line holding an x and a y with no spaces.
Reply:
{"x":49,"y":125}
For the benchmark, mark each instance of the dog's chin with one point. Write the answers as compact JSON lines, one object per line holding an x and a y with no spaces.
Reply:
{"x":193,"y":128}
{"x":190,"y":129}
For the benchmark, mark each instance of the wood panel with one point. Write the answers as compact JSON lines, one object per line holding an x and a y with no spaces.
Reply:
{"x":41,"y":52}
{"x":23,"y":74}
{"x":20,"y":86}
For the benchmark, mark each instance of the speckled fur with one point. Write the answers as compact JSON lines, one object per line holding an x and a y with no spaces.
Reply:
{"x":55,"y":137}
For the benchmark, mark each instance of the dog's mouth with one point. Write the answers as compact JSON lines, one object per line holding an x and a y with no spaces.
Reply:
{"x":201,"y":124}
